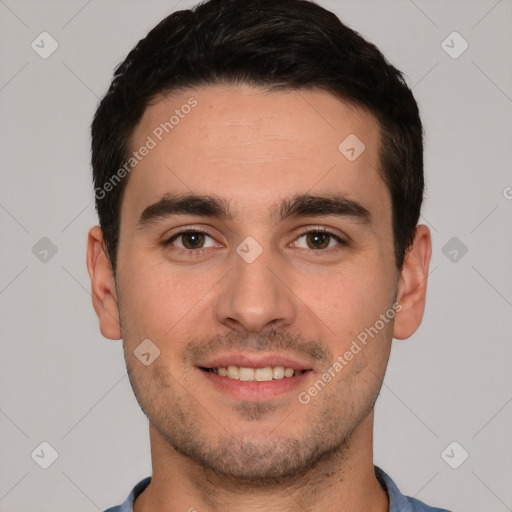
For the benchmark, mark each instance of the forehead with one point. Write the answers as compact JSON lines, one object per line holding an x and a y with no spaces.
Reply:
{"x":255,"y":147}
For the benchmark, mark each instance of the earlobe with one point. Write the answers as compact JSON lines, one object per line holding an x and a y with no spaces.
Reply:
{"x":412,"y":286}
{"x":103,"y":289}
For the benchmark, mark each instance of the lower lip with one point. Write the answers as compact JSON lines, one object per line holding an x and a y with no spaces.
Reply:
{"x":253,"y":390}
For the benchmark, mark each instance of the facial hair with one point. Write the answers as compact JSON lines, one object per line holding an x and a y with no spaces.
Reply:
{"x":273,"y":457}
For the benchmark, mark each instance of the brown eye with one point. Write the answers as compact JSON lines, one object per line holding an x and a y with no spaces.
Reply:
{"x":191,"y":240}
{"x":318,"y":239}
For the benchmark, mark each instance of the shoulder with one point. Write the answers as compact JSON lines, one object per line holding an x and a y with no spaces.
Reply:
{"x":397,"y":501}
{"x":127,"y":506}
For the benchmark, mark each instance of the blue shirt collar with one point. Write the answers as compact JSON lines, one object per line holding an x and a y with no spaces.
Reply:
{"x":397,"y":501}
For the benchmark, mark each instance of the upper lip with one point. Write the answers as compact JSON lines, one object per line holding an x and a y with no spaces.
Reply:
{"x":255,"y":360}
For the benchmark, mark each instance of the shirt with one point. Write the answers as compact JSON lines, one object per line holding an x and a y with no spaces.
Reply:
{"x":397,"y":501}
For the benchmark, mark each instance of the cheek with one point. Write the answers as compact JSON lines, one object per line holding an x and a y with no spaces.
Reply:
{"x":363,"y":360}
{"x":348,"y":299}
{"x":155,"y":299}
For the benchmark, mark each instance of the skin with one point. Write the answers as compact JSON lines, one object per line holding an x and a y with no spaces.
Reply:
{"x":211,"y":450}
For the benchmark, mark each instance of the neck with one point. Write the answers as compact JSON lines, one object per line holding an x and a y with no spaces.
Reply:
{"x":346,"y":478}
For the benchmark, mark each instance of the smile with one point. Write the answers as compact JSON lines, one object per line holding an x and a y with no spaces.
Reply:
{"x":246,"y":374}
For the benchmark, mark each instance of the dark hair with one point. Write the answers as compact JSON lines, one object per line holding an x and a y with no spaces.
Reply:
{"x":275,"y":44}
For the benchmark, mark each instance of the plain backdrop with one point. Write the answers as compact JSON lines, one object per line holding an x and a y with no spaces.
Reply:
{"x":63,"y":384}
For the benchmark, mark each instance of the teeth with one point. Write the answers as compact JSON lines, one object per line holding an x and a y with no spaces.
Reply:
{"x":266,"y":373}
{"x":263,"y":374}
{"x":278,"y":372}
{"x":246,"y":374}
{"x":233,"y":372}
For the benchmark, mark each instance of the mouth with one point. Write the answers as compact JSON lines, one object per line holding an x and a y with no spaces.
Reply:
{"x":264,"y":374}
{"x":252,"y":377}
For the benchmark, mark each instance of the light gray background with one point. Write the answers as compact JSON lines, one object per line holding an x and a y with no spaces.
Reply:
{"x":62,"y":383}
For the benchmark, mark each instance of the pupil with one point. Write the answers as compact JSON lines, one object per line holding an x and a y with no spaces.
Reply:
{"x":193,"y":240}
{"x":319,"y":240}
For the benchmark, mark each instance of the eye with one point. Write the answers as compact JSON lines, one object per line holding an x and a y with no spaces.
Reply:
{"x":318,"y":239}
{"x":191,"y":240}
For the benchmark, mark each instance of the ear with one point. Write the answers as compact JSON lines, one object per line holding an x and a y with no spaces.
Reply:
{"x":412,"y":285}
{"x":103,"y":288}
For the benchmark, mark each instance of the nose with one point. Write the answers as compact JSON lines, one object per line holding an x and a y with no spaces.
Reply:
{"x":255,"y":297}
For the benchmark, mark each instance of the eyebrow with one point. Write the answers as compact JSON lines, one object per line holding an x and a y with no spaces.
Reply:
{"x":178,"y":204}
{"x":307,"y":205}
{"x":302,"y":205}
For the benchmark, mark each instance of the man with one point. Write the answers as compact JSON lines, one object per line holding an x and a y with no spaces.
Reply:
{"x":258,"y":174}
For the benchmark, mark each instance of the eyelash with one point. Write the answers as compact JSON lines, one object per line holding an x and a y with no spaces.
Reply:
{"x":324,"y":231}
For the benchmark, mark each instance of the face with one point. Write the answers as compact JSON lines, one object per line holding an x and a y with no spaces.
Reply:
{"x":257,"y":256}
